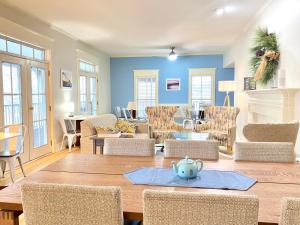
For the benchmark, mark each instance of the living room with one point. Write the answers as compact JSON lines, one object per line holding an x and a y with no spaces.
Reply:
{"x":212,"y":80}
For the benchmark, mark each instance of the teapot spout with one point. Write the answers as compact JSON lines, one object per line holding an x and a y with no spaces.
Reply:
{"x":174,"y":165}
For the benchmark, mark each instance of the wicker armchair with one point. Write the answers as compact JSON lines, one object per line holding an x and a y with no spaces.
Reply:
{"x":221,"y":124}
{"x":162,"y":123}
{"x":178,"y":208}
{"x":272,"y":132}
{"x":290,"y":212}
{"x":49,"y":204}
{"x":206,"y":150}
{"x":265,"y":151}
{"x":128,"y":146}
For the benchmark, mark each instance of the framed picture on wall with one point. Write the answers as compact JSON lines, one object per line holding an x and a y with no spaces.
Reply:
{"x":173,"y":84}
{"x":66,"y":79}
{"x":249,"y":83}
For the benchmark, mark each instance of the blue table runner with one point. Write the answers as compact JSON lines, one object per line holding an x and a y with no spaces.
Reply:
{"x":213,"y":179}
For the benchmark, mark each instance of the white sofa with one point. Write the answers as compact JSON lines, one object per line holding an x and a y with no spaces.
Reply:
{"x":88,"y":129}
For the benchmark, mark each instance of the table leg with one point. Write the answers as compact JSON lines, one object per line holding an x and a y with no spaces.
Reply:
{"x":94,"y":147}
{"x":9,"y":217}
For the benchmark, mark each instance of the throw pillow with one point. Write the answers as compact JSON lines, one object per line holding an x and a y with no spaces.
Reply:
{"x":106,"y":130}
{"x":125,"y":126}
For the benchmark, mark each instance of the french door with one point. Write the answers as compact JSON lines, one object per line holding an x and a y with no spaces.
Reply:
{"x":39,"y":109}
{"x":24,"y":100}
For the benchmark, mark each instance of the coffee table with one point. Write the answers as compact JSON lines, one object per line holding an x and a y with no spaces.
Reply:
{"x":191,"y":136}
{"x":98,"y":140}
{"x":187,"y":135}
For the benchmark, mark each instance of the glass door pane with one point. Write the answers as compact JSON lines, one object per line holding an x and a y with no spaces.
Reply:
{"x":83,"y":94}
{"x":12,"y":96}
{"x":39,"y":107}
{"x":93,"y":95}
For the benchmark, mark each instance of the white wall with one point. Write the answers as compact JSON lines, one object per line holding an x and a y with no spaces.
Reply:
{"x":65,"y":52}
{"x":282,"y":17}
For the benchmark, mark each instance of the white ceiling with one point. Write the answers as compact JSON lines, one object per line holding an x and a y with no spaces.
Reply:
{"x":146,"y":27}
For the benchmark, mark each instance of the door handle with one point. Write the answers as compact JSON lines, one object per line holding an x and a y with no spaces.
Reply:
{"x":31,"y":108}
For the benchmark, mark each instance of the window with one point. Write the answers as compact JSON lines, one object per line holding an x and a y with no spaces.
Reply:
{"x":146,"y":90}
{"x":2,"y":45}
{"x":27,"y":51}
{"x":88,"y":88}
{"x":86,"y":67}
{"x":202,"y":87}
{"x":21,"y":49}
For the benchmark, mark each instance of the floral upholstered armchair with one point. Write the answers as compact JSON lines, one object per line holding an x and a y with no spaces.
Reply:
{"x":161,"y":122}
{"x":220,"y":124}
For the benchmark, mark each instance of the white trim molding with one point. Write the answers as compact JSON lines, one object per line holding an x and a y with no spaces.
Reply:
{"x":203,"y":72}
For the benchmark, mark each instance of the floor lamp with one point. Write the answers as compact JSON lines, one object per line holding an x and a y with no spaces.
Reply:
{"x":227,"y":86}
{"x":132,"y":107}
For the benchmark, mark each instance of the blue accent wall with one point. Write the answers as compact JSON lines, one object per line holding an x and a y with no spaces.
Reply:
{"x":122,"y":79}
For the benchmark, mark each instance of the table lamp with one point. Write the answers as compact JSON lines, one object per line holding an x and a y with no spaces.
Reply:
{"x":132,"y":107}
{"x":70,"y":107}
{"x":227,"y":86}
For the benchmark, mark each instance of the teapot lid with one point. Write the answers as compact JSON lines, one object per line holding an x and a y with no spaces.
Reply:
{"x":187,"y":160}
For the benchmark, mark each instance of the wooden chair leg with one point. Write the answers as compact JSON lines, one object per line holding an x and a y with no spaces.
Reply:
{"x":9,"y":217}
{"x":21,"y":165}
{"x":12,"y":166}
{"x":3,"y":166}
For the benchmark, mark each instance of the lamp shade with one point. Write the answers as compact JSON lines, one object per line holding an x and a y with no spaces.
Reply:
{"x":227,"y":86}
{"x":69,"y":106}
{"x":131,"y":106}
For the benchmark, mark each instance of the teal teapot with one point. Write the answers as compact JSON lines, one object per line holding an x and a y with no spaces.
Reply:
{"x":187,"y":168}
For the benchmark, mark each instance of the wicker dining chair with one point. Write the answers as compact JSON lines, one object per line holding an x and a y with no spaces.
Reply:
{"x":290,"y":212}
{"x":265,"y":151}
{"x":49,"y":204}
{"x":129,"y":146}
{"x":208,"y":150}
{"x":12,"y":148}
{"x":177,"y":208}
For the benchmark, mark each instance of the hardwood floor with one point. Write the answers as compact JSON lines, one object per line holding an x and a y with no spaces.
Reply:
{"x":34,"y":166}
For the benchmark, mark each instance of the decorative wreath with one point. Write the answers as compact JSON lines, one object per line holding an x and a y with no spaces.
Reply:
{"x":266,"y":57}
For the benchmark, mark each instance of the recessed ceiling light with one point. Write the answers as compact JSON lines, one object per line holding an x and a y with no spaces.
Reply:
{"x":220,"y":11}
{"x":229,"y":8}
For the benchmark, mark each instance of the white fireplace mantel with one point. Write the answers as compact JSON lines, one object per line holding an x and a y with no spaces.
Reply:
{"x":271,"y":105}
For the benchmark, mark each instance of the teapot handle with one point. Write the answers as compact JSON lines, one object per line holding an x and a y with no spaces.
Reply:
{"x":199,"y":164}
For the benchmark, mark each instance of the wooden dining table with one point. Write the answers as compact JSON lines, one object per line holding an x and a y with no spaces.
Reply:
{"x":274,"y":181}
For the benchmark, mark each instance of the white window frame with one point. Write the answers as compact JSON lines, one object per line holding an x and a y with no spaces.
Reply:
{"x":203,"y":72}
{"x":88,"y":75}
{"x":146,"y":74}
{"x":22,"y":43}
